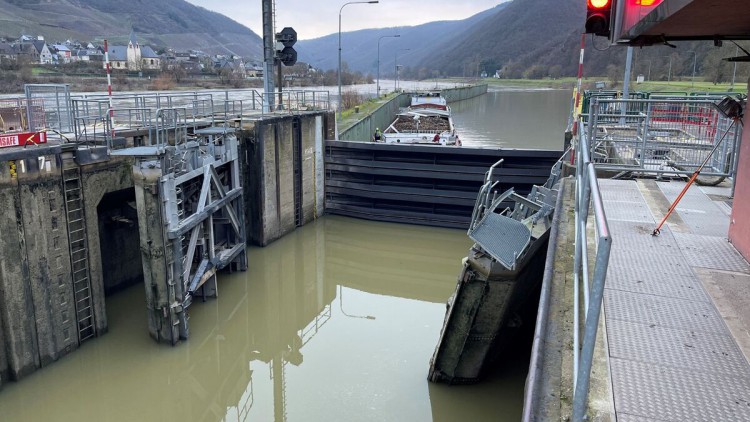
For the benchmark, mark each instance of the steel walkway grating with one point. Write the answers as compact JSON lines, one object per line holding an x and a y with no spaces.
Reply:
{"x":655,"y":283}
{"x":662,"y":311}
{"x":672,"y":357}
{"x":637,"y":237}
{"x":628,"y":211}
{"x":675,"y":348}
{"x":631,"y":418}
{"x":711,"y":252}
{"x":504,"y":238}
{"x":678,"y":394}
{"x":696,"y":209}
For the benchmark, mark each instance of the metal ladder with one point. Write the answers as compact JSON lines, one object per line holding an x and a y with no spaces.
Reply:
{"x":78,"y":253}
{"x":297,"y":181}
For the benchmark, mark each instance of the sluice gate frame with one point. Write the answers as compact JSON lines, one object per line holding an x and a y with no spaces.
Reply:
{"x":190,"y":202}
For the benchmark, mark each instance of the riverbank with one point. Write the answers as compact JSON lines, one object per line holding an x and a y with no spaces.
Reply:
{"x":590,"y":83}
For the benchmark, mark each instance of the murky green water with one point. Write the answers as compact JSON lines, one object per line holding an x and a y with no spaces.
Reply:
{"x":514,"y":119}
{"x":335,"y":322}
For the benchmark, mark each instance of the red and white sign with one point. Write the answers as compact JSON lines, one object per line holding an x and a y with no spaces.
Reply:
{"x":22,"y":139}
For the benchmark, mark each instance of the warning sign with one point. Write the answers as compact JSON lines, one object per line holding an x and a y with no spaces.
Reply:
{"x":22,"y":139}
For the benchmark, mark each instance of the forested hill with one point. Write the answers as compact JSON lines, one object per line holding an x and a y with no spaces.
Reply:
{"x":541,"y":38}
{"x":160,"y":23}
{"x":524,"y":27}
{"x":360,"y":48}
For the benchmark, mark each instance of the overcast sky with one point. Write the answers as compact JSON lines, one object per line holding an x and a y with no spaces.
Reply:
{"x":315,"y":18}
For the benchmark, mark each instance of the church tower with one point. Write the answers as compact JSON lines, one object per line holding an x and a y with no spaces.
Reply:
{"x":134,"y":53}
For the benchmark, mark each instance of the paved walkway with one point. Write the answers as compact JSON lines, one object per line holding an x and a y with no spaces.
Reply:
{"x":677,"y":306}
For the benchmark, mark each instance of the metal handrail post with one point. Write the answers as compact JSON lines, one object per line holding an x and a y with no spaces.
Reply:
{"x":589,"y":194}
{"x":595,"y":306}
{"x":646,"y":134}
{"x":577,"y":263}
{"x":584,"y":215}
{"x":592,"y":122}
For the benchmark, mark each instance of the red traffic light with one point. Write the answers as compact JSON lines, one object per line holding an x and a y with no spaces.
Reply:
{"x":599,"y":4}
{"x":597,"y":17}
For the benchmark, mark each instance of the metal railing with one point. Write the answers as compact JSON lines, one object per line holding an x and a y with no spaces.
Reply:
{"x":662,"y":135}
{"x":293,"y":101}
{"x":93,"y":121}
{"x":14,"y":113}
{"x":486,"y":197}
{"x":586,"y":284}
{"x":171,"y":127}
{"x":55,"y":112}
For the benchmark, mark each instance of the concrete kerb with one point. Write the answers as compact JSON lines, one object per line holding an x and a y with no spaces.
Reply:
{"x":533,"y":379}
{"x":549,"y":386}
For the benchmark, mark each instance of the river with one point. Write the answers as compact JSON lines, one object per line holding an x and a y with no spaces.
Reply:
{"x":334,"y":322}
{"x":514,"y":119}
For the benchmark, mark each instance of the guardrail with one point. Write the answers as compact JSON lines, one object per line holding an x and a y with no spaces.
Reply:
{"x":662,"y":135}
{"x":591,"y":288}
{"x":94,"y":119}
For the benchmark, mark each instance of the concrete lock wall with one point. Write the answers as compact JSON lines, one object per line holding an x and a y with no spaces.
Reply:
{"x":271,"y":206}
{"x":382,"y":117}
{"x":463,"y":93}
{"x":283,"y":164}
{"x":35,"y":287}
{"x":37,"y":311}
{"x":155,"y":253}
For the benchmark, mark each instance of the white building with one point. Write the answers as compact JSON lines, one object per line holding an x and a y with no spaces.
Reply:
{"x":133,"y":57}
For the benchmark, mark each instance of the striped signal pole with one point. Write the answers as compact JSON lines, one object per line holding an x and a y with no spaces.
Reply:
{"x":109,"y":88}
{"x":578,"y":84}
{"x":577,"y":102}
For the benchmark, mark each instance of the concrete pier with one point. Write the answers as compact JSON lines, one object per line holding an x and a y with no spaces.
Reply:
{"x":41,"y":314}
{"x":282,"y":172}
{"x":84,"y":223}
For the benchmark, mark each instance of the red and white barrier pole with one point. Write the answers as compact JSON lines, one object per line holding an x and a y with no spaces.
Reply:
{"x":109,"y":88}
{"x":577,"y":103}
{"x":579,"y":83}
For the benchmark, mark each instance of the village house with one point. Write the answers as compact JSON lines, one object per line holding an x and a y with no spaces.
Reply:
{"x":33,"y":52}
{"x":254,"y":70}
{"x":7,"y":52}
{"x":33,"y":49}
{"x":63,"y":53}
{"x":88,"y":55}
{"x":43,"y":52}
{"x":234,"y":65}
{"x":133,"y":57}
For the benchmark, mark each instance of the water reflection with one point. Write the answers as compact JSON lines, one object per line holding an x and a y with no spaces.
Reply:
{"x":514,"y":119}
{"x":336,"y":321}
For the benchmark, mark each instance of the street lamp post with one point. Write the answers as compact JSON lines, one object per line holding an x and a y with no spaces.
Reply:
{"x":695,"y":56}
{"x":342,"y":8}
{"x":384,"y":36}
{"x":734,"y":73}
{"x":395,"y":63}
{"x":669,"y":74}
